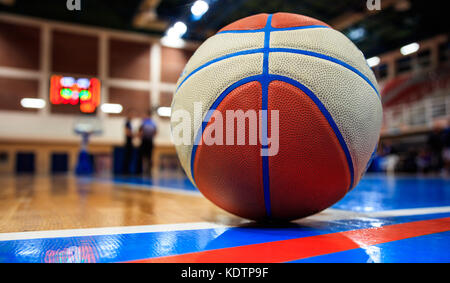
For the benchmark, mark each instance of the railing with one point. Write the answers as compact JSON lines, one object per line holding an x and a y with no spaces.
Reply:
{"x":420,"y":115}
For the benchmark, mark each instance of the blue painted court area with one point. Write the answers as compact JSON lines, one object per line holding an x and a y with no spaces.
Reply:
{"x":378,"y":193}
{"x":409,"y":217}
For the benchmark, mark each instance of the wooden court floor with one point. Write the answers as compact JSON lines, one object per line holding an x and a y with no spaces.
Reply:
{"x":29,"y":203}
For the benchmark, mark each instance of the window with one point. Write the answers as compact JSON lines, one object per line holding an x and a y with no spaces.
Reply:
{"x":403,"y":64}
{"x":424,"y":58}
{"x":444,"y":52}
{"x":381,"y":71}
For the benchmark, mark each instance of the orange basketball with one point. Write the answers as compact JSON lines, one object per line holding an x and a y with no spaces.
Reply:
{"x":318,"y":115}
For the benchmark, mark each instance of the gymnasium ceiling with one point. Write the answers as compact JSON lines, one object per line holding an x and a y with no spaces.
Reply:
{"x":398,"y":23}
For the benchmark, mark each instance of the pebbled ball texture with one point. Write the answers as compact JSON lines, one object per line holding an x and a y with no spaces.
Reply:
{"x":329,"y":116}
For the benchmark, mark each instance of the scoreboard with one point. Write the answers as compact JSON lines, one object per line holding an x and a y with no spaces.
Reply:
{"x":84,"y":92}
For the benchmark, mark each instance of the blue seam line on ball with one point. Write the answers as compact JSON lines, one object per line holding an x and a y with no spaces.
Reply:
{"x":329,"y":58}
{"x":240,"y":53}
{"x":209,"y":113}
{"x":272,"y":28}
{"x":265,"y":80}
{"x":286,"y":50}
{"x":327,"y":115}
{"x":293,"y":82}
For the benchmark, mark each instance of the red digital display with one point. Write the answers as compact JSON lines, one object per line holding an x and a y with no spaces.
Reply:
{"x":76,"y":91}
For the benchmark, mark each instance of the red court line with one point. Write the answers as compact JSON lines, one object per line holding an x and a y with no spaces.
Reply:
{"x":294,"y":249}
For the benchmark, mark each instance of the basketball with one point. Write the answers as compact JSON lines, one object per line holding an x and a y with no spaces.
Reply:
{"x":318,"y":112}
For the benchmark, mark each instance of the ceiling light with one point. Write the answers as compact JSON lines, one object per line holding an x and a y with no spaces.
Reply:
{"x":111,"y":108}
{"x":164,"y":111}
{"x":374,"y":61}
{"x":180,"y":28}
{"x":36,"y":103}
{"x":357,"y":33}
{"x":410,"y":48}
{"x":172,"y":41}
{"x":172,"y":33}
{"x":199,"y":8}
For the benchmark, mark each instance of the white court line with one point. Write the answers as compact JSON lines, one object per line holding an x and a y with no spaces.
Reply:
{"x":109,"y":231}
{"x":332,"y":214}
{"x":409,"y":212}
{"x":150,"y":188}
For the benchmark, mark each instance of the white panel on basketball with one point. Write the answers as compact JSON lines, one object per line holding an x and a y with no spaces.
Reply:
{"x":351,"y":101}
{"x":205,"y":86}
{"x":326,"y":41}
{"x":220,"y":45}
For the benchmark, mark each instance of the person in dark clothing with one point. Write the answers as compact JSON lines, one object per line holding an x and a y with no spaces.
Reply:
{"x":128,"y":148}
{"x":446,"y":151}
{"x":436,"y":145}
{"x":147,"y":132}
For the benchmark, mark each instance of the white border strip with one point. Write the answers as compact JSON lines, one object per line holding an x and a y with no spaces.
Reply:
{"x":150,"y":188}
{"x":332,"y":214}
{"x":409,"y":212}
{"x":109,"y":231}
{"x":338,"y":215}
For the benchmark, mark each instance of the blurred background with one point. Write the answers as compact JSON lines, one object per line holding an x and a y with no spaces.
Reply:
{"x":84,"y":74}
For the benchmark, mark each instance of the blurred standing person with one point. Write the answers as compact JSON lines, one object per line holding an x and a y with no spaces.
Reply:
{"x":147,"y":132}
{"x":423,"y":161}
{"x":446,"y":152}
{"x":436,"y":146}
{"x":128,"y":148}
